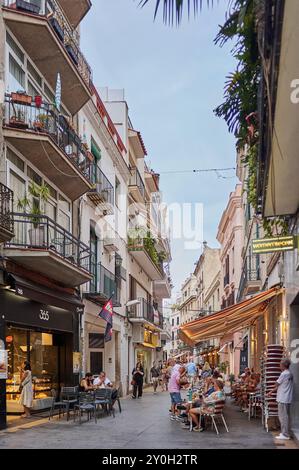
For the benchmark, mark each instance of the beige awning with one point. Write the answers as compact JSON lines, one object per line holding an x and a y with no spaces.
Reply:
{"x":229,"y":320}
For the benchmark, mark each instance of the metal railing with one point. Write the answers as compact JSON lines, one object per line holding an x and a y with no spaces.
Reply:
{"x":68,"y":36}
{"x":145,"y":310}
{"x":136,"y":180}
{"x":6,"y":208}
{"x":21,"y":112}
{"x":250,"y":273}
{"x":41,"y":232}
{"x":104,"y":283}
{"x":102,"y":185}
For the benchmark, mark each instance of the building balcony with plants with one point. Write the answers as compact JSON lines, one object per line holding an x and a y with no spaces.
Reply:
{"x":48,"y":140}
{"x":145,"y":311}
{"x":42,"y":245}
{"x":43,"y":30}
{"x":141,"y":246}
{"x":250,"y":281}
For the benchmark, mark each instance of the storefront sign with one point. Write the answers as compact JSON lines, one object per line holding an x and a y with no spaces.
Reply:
{"x":270,"y":245}
{"x":3,"y":364}
{"x":76,"y":362}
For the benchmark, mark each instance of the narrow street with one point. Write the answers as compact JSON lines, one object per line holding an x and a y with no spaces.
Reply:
{"x":142,"y":424}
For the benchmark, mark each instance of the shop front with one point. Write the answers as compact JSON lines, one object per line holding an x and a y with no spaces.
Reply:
{"x":40,"y":326}
{"x":146,"y":348}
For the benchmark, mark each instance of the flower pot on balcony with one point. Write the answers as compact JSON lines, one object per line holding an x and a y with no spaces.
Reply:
{"x":28,"y":7}
{"x":18,"y":123}
{"x":71,"y":52}
{"x":57,"y":28}
{"x":21,"y":98}
{"x":37,"y":236}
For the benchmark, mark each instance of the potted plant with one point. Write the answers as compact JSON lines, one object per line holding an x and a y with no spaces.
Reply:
{"x":40,"y":121}
{"x":72,"y":53}
{"x":18,"y":120}
{"x":33,"y":205}
{"x":21,"y":97}
{"x":57,"y":28}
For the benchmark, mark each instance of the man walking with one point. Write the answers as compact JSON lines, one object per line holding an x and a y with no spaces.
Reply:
{"x":284,"y":387}
{"x":155,"y":374}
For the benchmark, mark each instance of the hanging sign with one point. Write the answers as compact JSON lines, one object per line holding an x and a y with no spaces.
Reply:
{"x":76,"y":362}
{"x":3,"y":364}
{"x":270,"y":245}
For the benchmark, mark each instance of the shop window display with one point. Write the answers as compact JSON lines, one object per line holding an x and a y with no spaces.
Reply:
{"x":39,"y":349}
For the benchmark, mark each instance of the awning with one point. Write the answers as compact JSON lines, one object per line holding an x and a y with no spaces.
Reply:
{"x":43,"y":294}
{"x":229,"y":320}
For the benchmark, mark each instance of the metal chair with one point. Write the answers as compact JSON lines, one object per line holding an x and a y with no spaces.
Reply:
{"x":118,"y":398}
{"x":57,"y":404}
{"x":69,"y":395}
{"x":215,"y":414}
{"x":86,"y":403}
{"x":102,"y":400}
{"x":255,"y":402}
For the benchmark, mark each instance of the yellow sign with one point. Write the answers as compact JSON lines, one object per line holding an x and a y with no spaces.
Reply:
{"x":76,"y":362}
{"x":270,"y":245}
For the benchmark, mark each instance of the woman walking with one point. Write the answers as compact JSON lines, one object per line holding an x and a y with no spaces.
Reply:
{"x":26,"y":388}
{"x":137,"y":380}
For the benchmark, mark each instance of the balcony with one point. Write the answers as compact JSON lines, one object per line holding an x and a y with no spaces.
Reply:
{"x":50,"y":41}
{"x":102,"y":192}
{"x":46,"y":139}
{"x":41,"y":245}
{"x":162,"y":289}
{"x":75,"y":10}
{"x":250,"y":278}
{"x":140,"y":251}
{"x":103,"y":286}
{"x":6,"y":219}
{"x":144,"y":312}
{"x":136,"y":186}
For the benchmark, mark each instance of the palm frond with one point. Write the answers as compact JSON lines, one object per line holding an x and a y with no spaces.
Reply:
{"x":173,"y":10}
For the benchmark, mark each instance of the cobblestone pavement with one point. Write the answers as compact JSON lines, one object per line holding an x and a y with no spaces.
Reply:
{"x":143,"y":423}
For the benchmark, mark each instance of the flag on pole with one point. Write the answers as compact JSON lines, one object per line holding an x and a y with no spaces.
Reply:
{"x":107,"y":314}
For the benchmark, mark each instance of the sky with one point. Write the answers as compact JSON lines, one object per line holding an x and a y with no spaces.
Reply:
{"x":173,"y":79}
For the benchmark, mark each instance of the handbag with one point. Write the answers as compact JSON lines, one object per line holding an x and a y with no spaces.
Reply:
{"x":133,"y":382}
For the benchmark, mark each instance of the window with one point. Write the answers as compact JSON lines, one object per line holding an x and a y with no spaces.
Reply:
{"x":14,"y":47}
{"x":13,"y":158}
{"x":18,"y":186}
{"x":34,"y":176}
{"x":96,"y":341}
{"x":17,"y":75}
{"x":34,"y":74}
{"x":32,"y":91}
{"x":172,"y":322}
{"x":177,"y":320}
{"x":95,"y":150}
{"x":49,"y":93}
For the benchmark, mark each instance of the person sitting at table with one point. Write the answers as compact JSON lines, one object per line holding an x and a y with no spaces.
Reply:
{"x":102,"y":381}
{"x":207,"y":404}
{"x":86,"y":383}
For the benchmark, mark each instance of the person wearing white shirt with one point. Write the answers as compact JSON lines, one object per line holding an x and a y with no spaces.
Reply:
{"x":284,"y":387}
{"x":102,"y":381}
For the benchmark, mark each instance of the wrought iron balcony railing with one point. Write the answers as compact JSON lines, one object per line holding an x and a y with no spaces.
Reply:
{"x":136,"y":180}
{"x":6,"y":208}
{"x":102,"y":185}
{"x":67,"y":35}
{"x":22,"y":112}
{"x":250,"y":273}
{"x":41,"y":232}
{"x":104,"y":283}
{"x":145,"y":310}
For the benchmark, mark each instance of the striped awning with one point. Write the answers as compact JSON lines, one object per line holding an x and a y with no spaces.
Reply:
{"x":229,"y":320}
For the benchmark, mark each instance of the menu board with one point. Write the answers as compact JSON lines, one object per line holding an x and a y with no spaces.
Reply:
{"x":3,"y":364}
{"x":76,"y":362}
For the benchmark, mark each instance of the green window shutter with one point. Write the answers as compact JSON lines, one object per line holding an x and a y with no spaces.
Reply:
{"x":95,"y":150}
